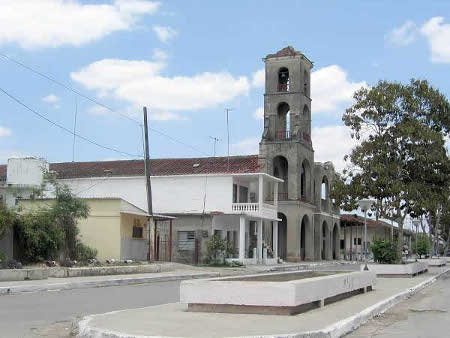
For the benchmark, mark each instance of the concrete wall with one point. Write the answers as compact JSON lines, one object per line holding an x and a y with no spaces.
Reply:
{"x":26,"y":171}
{"x":133,"y":248}
{"x":171,"y":194}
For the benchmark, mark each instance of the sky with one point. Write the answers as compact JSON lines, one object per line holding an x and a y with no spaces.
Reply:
{"x":187,"y":61}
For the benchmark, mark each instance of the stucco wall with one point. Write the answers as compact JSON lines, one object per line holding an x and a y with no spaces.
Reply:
{"x":133,"y":248}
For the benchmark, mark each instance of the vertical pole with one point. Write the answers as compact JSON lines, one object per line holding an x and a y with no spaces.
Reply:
{"x":228,"y":142}
{"x":148,"y":183}
{"x":351,"y":243}
{"x":275,"y":239}
{"x":365,"y":240}
{"x":241,"y":238}
{"x":74,"y":129}
{"x":155,"y":247}
{"x":259,"y":240}
{"x":260,"y":192}
{"x":170,"y":240}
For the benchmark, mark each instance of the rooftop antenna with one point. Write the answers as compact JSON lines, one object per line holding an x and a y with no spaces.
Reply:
{"x":215,"y":139}
{"x":228,"y":137}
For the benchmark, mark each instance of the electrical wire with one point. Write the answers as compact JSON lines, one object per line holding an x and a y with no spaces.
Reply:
{"x":123,"y":153}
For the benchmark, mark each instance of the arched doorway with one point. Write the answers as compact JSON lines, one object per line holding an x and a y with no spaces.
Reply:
{"x":282,"y":236}
{"x":305,"y":181}
{"x":280,"y":170}
{"x":305,"y":239}
{"x":283,"y":80}
{"x":324,"y":240}
{"x":283,"y":122}
{"x":336,"y":242}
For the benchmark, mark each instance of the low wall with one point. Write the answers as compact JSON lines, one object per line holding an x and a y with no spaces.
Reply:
{"x":398,"y":270}
{"x":284,"y":297}
{"x":61,"y":272}
{"x":434,"y":261}
{"x":22,"y":274}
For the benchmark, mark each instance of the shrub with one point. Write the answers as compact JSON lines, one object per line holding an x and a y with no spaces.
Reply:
{"x":215,"y":249}
{"x":85,"y":253}
{"x":38,"y":236}
{"x":2,"y":257}
{"x":423,"y":245}
{"x":384,"y":252}
{"x":12,"y":264}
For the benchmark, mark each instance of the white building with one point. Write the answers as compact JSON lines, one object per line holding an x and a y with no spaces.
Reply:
{"x":206,"y":195}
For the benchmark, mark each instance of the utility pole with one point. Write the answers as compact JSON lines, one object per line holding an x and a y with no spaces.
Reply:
{"x":228,"y":137}
{"x":215,"y":140}
{"x":149,"y":185}
{"x":74,"y":129}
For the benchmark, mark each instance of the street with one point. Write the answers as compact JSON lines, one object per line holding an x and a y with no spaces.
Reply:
{"x":50,"y":314}
{"x":425,"y":315}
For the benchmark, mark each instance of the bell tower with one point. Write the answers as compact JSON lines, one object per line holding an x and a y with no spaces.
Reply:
{"x":286,"y":146}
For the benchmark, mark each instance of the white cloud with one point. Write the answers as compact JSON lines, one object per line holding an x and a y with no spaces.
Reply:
{"x":247,"y":146}
{"x":331,"y":90}
{"x":259,"y":113}
{"x":259,"y":78}
{"x":164,"y":33}
{"x":98,"y":111}
{"x":140,"y":83}
{"x":332,"y":143}
{"x":403,"y":35}
{"x":438,"y":35}
{"x":5,"y":131}
{"x":54,"y":23}
{"x":160,"y":55}
{"x":51,"y":98}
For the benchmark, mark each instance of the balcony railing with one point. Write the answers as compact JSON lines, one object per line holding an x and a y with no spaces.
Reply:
{"x":283,"y":87}
{"x":282,"y":135}
{"x":245,"y":207}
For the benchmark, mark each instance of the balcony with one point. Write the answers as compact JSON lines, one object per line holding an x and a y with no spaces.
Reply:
{"x":245,"y":207}
{"x":283,"y":135}
{"x":283,"y":87}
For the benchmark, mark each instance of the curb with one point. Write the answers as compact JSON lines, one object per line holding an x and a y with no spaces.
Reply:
{"x":335,"y":330}
{"x":100,"y":283}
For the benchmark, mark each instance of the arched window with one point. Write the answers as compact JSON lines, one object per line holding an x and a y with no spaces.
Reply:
{"x":305,"y":180}
{"x":280,"y":170}
{"x":305,"y":111}
{"x":283,"y":123}
{"x":306,"y":83}
{"x":324,"y":189}
{"x":283,"y":80}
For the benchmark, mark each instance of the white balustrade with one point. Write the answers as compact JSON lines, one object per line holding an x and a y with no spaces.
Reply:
{"x":245,"y":207}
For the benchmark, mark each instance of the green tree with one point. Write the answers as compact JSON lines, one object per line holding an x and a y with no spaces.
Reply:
{"x":215,"y":249}
{"x":401,"y":160}
{"x":423,"y":245}
{"x":384,"y":252}
{"x":7,"y":220}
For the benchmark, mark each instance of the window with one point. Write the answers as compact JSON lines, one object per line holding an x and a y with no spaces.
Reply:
{"x":283,"y":80}
{"x":342,"y":243}
{"x":357,"y":241}
{"x":243,"y":194}
{"x":138,"y":232}
{"x":234,"y":193}
{"x":186,"y":240}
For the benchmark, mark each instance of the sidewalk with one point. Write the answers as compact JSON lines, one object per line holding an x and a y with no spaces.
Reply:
{"x":334,"y":320}
{"x":180,"y":272}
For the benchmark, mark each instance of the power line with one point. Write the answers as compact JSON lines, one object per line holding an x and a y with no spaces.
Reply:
{"x":123,"y":153}
{"x":67,"y":87}
{"x":59,"y":83}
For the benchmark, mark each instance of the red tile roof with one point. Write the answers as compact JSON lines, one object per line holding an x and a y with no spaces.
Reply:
{"x":355,"y":220}
{"x":159,"y":167}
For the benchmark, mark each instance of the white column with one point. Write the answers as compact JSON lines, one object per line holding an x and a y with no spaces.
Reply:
{"x":275,"y":194}
{"x":259,"y":240}
{"x":275,"y":239}
{"x":241,"y":238}
{"x":260,"y":192}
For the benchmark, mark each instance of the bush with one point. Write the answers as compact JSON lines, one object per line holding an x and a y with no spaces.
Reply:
{"x":423,"y":245}
{"x":39,"y":238}
{"x":384,"y":252}
{"x":215,"y":249}
{"x":85,"y":253}
{"x":12,"y":264}
{"x":2,"y":258}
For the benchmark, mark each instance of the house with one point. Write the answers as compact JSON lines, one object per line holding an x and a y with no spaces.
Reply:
{"x":352,"y":236}
{"x":116,"y":228}
{"x":275,"y":204}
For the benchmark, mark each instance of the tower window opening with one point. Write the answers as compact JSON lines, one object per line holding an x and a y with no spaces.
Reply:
{"x":306,"y":84}
{"x":283,"y":124}
{"x":283,"y":80}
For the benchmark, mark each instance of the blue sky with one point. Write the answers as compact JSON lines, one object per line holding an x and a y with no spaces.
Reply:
{"x":189,"y":60}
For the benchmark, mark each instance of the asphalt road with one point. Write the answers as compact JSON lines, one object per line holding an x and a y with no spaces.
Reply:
{"x":50,"y":314}
{"x":425,"y":315}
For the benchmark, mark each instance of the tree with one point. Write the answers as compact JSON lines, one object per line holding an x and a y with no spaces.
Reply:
{"x":423,"y":245}
{"x":215,"y":248}
{"x":7,"y":220}
{"x":67,"y":210}
{"x":401,"y":160}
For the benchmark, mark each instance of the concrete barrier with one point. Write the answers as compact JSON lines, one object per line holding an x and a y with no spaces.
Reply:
{"x":285,"y":293}
{"x":7,"y":275}
{"x":434,"y":261}
{"x":398,"y":270}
